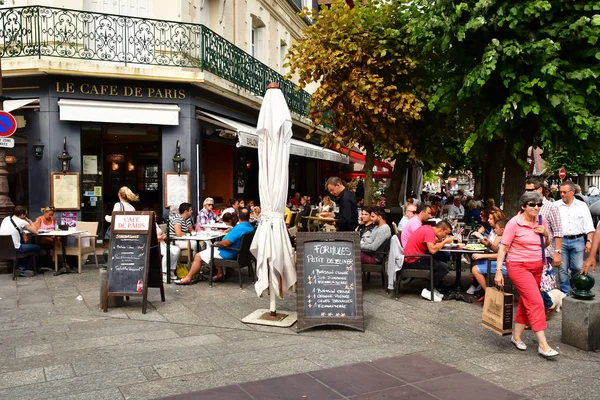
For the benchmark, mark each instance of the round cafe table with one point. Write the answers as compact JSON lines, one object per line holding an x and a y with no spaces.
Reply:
{"x":321,"y":220}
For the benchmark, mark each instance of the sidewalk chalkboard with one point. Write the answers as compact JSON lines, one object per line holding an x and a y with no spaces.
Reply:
{"x":329,"y":280}
{"x":134,"y":260}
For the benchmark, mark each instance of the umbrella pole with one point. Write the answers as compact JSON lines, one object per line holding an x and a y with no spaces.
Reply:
{"x":272,"y":298}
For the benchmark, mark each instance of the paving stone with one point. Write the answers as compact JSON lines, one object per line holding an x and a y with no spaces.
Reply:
{"x":123,"y":339}
{"x":577,"y":388}
{"x":226,"y":392}
{"x":185,"y":367}
{"x":76,"y":385}
{"x":62,"y":371}
{"x":103,"y":394}
{"x":405,"y":392}
{"x":33,"y":350}
{"x":413,"y":368}
{"x":290,"y":387}
{"x":356,"y":379}
{"x":21,"y":378}
{"x":453,"y":388}
{"x":292,"y":366}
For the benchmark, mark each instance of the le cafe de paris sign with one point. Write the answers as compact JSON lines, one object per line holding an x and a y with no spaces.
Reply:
{"x":117,"y":90}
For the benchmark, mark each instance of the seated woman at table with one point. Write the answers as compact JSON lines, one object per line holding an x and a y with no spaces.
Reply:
{"x":206,"y":216}
{"x":231,"y":206}
{"x":479,"y":262}
{"x":47,"y":222}
{"x":230,"y":219}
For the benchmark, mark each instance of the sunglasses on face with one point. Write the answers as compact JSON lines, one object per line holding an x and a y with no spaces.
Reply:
{"x":211,"y":205}
{"x":529,"y":190}
{"x":532,"y":205}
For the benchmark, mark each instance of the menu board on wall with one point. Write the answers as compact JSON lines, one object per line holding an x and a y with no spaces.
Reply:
{"x":329,"y":280}
{"x":177,"y":188}
{"x":64,"y":190}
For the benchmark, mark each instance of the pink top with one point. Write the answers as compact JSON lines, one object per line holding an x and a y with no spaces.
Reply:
{"x":48,"y":227}
{"x":523,"y":243}
{"x":412,"y":225}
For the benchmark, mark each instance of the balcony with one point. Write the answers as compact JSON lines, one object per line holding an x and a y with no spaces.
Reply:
{"x":55,"y":32}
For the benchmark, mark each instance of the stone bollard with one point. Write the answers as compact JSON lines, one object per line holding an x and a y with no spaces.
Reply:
{"x":581,"y":323}
{"x":113,"y":301}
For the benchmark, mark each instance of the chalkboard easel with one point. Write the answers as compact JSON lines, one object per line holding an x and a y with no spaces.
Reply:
{"x":329,"y":280}
{"x":134,"y":260}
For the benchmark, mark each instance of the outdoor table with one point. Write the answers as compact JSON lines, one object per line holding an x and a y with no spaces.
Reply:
{"x":62,"y":235}
{"x":218,"y":225}
{"x":198,"y":237}
{"x":457,"y":252}
{"x":321,"y":219}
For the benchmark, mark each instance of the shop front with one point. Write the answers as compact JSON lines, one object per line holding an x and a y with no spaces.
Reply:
{"x":124,"y":133}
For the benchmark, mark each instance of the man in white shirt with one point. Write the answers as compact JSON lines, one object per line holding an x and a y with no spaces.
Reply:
{"x":411,"y":209}
{"x":14,"y":226}
{"x":578,"y":228}
{"x":456,"y":209}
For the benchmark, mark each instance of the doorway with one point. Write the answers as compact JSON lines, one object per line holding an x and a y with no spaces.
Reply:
{"x":117,"y":155}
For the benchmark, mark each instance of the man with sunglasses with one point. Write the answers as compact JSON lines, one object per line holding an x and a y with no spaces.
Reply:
{"x":578,"y":229}
{"x":550,"y":212}
{"x":411,"y":211}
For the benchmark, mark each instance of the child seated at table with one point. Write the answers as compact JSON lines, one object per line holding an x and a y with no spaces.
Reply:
{"x":480,"y":261}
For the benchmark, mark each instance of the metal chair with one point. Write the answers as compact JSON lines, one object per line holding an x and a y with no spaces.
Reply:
{"x":244,"y":258}
{"x":383,"y":252}
{"x":407,"y":272}
{"x":8,"y":252}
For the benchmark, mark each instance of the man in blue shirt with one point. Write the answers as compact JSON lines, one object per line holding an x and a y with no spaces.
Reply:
{"x":232,"y":239}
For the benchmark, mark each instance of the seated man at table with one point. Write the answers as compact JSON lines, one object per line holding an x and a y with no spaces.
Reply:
{"x":429,"y":240}
{"x":423,"y":214}
{"x":232,"y":239}
{"x":376,"y":240}
{"x":182,"y":224}
{"x":14,"y":225}
{"x":456,"y":210}
{"x":480,"y":261}
{"x":411,"y":211}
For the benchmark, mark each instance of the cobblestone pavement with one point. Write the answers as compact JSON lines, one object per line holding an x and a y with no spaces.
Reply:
{"x":55,"y":346}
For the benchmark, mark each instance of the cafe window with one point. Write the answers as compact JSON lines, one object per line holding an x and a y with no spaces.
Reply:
{"x":17,"y":164}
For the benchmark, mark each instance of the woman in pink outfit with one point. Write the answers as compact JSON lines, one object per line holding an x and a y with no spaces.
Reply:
{"x":522,"y":247}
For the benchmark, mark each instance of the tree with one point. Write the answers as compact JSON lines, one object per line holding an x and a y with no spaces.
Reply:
{"x":525,"y":71}
{"x":366,"y":91}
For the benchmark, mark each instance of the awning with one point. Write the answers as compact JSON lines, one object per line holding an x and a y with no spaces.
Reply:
{"x":118,"y":112}
{"x":247,"y":137}
{"x":11,"y":105}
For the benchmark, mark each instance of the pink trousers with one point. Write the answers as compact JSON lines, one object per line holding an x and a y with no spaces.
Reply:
{"x":526,"y":277}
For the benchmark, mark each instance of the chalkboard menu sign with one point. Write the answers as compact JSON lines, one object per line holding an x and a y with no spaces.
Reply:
{"x":134,"y":260}
{"x":329,"y":280}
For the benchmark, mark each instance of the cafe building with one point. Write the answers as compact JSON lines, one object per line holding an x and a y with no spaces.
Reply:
{"x":122,"y":132}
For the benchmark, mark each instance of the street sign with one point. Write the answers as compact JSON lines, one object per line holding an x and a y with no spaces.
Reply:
{"x":8,"y":124}
{"x":562,"y":174}
{"x":7,"y":142}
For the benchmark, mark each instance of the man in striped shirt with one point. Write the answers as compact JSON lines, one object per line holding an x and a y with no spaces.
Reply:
{"x":181,"y":224}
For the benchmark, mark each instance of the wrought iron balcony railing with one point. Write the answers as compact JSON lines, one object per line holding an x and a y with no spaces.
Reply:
{"x":55,"y":32}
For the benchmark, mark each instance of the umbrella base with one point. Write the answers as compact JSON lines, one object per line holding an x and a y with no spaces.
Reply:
{"x":283,"y":319}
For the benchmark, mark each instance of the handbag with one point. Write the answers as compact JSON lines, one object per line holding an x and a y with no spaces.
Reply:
{"x":548,"y":281}
{"x":181,"y":271}
{"x":497,"y":313}
{"x":107,"y":234}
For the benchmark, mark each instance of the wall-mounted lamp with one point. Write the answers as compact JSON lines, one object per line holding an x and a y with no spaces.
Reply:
{"x":64,"y":158}
{"x":38,"y":148}
{"x":178,"y":160}
{"x":11,"y":160}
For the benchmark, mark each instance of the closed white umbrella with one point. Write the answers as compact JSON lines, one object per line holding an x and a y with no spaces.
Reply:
{"x":271,"y":245}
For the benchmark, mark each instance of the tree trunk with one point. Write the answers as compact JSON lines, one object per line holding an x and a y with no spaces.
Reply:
{"x":393,"y":191}
{"x":493,"y":171}
{"x":514,"y":181}
{"x":368,"y":168}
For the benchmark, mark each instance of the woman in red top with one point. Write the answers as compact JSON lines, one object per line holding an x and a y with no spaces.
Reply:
{"x":523,"y":250}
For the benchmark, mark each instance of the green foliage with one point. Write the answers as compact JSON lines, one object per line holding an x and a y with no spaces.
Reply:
{"x":367,"y":87}
{"x":522,"y":71}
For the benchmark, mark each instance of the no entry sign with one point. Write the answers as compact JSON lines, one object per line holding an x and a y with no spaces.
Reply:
{"x":8,"y":124}
{"x":562,"y":174}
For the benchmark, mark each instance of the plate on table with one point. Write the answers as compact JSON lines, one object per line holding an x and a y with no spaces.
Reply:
{"x":475,"y":246}
{"x":450,"y":245}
